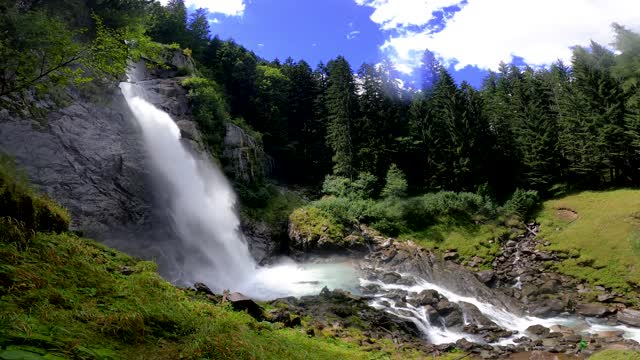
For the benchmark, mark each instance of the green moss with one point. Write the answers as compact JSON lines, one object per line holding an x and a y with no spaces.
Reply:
{"x":598,"y":234}
{"x":313,"y":224}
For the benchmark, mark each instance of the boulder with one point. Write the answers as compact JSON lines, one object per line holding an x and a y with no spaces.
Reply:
{"x":538,"y":330}
{"x":391,"y":278}
{"x":547,"y":308}
{"x":629,"y":317}
{"x":427,"y":297}
{"x":485,"y":276}
{"x":592,"y":309}
{"x":474,"y":316}
{"x":202,"y":288}
{"x":241,"y":302}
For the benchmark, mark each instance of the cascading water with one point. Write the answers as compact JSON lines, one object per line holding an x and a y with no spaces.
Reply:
{"x":201,"y":200}
{"x":202,"y":214}
{"x":439,"y":334}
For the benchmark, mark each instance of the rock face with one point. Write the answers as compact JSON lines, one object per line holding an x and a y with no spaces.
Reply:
{"x":90,"y":157}
{"x":87,"y":156}
{"x":243,"y":156}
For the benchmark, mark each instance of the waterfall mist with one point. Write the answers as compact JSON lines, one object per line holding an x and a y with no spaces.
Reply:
{"x":201,"y":201}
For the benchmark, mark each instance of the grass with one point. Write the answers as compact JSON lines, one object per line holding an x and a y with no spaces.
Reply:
{"x":602,"y":245}
{"x":65,"y":297}
{"x":469,"y":241}
{"x":616,"y":355}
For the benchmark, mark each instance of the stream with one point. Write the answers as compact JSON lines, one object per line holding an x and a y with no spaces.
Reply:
{"x":202,"y":212}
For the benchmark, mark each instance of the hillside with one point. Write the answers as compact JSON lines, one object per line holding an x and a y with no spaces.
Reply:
{"x":600,"y":234}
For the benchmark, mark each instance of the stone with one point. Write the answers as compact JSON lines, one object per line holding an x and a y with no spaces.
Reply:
{"x":605,"y":297}
{"x":592,"y":309}
{"x":391,"y":278}
{"x":629,"y":317}
{"x":202,"y":288}
{"x":474,"y":316}
{"x":126,"y":270}
{"x":485,"y":276}
{"x":427,"y":297}
{"x":450,"y":255}
{"x":241,"y":302}
{"x":547,"y":308}
{"x":538,"y":330}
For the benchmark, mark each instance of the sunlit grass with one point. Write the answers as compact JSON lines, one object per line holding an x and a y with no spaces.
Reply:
{"x":603,"y":243}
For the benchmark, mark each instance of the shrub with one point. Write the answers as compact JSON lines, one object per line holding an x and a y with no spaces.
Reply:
{"x":361,"y":188}
{"x":396,"y":183}
{"x":521,"y":204}
{"x":209,"y":111}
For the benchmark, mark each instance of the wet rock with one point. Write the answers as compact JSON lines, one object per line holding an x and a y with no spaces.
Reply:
{"x":592,"y":309}
{"x":391,"y":278}
{"x":547,"y":308}
{"x":202,"y":288}
{"x":241,"y":302}
{"x":538,"y":330}
{"x":474,"y":316}
{"x":465,"y":345}
{"x":629,"y":317}
{"x":605,"y":297}
{"x":485,"y":276}
{"x":427,"y":297}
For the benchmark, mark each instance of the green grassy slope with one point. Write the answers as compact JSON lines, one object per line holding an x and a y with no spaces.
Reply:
{"x":601,"y":243}
{"x":65,"y":296}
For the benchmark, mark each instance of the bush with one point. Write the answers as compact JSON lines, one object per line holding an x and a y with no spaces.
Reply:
{"x":396,"y":183}
{"x":209,"y":111}
{"x":521,"y":204}
{"x":361,"y":188}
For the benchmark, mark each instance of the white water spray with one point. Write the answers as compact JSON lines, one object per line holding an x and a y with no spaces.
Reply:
{"x":202,"y":212}
{"x":201,"y":200}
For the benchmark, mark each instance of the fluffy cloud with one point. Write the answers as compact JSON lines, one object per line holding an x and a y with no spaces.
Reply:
{"x":485,"y":32}
{"x":225,"y":7}
{"x":391,"y":14}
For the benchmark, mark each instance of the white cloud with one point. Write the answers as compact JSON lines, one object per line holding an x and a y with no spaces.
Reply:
{"x":314,"y":44}
{"x":214,"y":21}
{"x":391,"y":14}
{"x":225,"y":7}
{"x":485,"y":32}
{"x":261,"y":45}
{"x":352,"y":35}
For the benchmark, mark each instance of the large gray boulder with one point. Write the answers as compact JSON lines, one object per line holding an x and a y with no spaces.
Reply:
{"x":629,"y":317}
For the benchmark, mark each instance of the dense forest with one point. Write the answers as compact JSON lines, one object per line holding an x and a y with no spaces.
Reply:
{"x":575,"y":125}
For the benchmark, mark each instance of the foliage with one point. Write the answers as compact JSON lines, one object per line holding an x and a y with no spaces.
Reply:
{"x":209,"y":111}
{"x":522,"y":203}
{"x":361,"y":188}
{"x":396,"y":183}
{"x":613,"y":354}
{"x":39,"y":49}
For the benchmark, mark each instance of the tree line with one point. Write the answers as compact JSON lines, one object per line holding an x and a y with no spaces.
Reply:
{"x":575,"y":124}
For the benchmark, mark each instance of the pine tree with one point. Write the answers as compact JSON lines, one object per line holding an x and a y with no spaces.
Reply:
{"x":341,"y":108}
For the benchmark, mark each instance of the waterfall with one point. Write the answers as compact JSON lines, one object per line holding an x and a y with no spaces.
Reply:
{"x":201,"y":200}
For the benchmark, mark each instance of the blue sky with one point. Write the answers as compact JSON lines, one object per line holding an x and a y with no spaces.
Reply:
{"x":469,"y":36}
